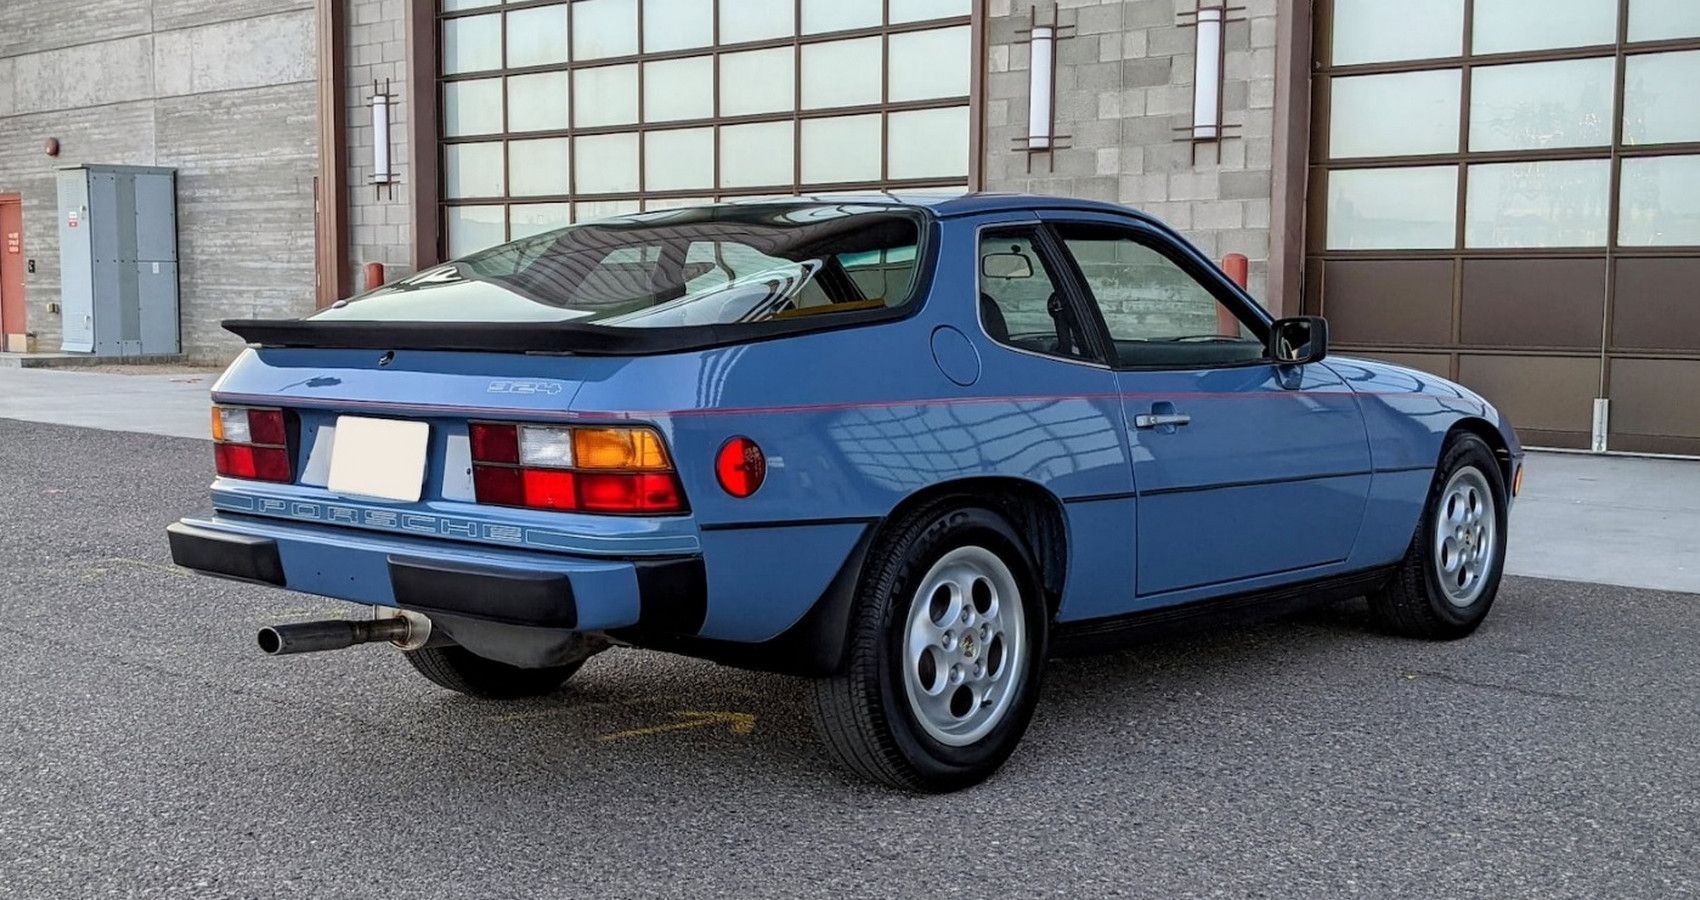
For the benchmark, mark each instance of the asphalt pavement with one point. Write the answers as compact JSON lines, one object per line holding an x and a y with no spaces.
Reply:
{"x":147,"y":749}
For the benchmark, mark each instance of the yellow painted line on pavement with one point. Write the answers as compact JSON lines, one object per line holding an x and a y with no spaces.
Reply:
{"x":735,"y":722}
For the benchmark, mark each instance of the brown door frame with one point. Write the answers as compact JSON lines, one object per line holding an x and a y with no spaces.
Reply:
{"x":17,"y":305}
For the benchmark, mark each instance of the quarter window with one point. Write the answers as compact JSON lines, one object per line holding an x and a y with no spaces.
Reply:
{"x":1022,"y":303}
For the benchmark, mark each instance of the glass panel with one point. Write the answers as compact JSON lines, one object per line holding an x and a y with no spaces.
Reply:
{"x":677,"y":24}
{"x":755,"y":20}
{"x":1378,"y":31}
{"x":473,"y":228}
{"x":1016,"y":287}
{"x":1395,"y":115}
{"x":606,"y":163}
{"x":527,"y":219}
{"x":841,"y":149}
{"x":1562,"y":203}
{"x":1393,"y":209}
{"x":1506,"y":25}
{"x":457,"y":5}
{"x":537,"y":167}
{"x":1150,"y":304}
{"x":1541,"y":105}
{"x":1653,"y":20}
{"x":755,"y":155}
{"x":928,"y":143}
{"x":603,"y":28}
{"x":838,"y":15}
{"x":659,"y":203}
{"x":604,"y":209}
{"x":472,"y":44}
{"x":1659,"y":106}
{"x":842,"y":73}
{"x":757,"y":81}
{"x":472,"y":170}
{"x":606,"y":95}
{"x":472,"y":107}
{"x":917,"y":10}
{"x":1661,"y":202}
{"x":680,"y":160}
{"x":537,"y":37}
{"x":537,"y":102}
{"x":678,"y":89}
{"x":927,"y":64}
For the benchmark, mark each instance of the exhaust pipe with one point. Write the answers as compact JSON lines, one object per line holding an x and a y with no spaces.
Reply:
{"x":335,"y":634}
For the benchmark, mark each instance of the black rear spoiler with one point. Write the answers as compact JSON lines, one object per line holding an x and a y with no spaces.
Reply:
{"x":537,"y":337}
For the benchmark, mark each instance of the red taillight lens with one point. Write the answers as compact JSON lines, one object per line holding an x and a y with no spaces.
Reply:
{"x":252,"y":444}
{"x":606,"y":469}
{"x":740,"y":466}
{"x":494,"y":443}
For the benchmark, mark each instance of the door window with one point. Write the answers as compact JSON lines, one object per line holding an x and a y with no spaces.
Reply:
{"x":1155,"y":312}
{"x":1021,"y":298}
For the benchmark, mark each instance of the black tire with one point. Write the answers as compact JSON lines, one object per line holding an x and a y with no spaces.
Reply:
{"x":1414,"y":603}
{"x":460,"y":670}
{"x":863,"y":714}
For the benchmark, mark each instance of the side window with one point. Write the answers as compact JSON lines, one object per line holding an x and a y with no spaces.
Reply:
{"x":1156,"y":313}
{"x":1021,"y":299}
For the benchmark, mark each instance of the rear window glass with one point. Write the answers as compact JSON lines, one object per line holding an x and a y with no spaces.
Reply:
{"x":718,"y":265}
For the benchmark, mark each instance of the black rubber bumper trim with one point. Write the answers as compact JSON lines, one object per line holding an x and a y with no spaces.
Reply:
{"x":507,"y":596}
{"x":240,"y":556}
{"x":672,"y":595}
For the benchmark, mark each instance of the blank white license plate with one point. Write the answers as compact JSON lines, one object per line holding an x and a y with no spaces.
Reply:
{"x":379,"y":458}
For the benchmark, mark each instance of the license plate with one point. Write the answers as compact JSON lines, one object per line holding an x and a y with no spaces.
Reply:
{"x":382,"y":458}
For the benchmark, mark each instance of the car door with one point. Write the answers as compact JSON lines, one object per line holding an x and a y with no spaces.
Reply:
{"x":1243,"y":469}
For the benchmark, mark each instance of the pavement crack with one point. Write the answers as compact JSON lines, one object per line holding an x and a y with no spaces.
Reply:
{"x":1503,"y":688}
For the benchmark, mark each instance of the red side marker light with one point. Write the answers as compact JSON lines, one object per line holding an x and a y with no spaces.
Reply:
{"x":740,"y":466}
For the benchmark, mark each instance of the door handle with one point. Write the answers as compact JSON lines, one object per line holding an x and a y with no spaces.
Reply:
{"x":1158,"y":420}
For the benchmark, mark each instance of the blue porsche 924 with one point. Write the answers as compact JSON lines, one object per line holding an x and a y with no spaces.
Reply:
{"x":906,"y":448}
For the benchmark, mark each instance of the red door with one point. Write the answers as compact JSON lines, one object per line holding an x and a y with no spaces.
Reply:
{"x":11,"y":268}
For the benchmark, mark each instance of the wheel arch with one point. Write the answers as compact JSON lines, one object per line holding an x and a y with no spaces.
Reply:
{"x":1490,"y":435}
{"x":1036,"y":513}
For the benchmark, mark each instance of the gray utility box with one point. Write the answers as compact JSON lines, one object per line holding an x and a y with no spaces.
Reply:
{"x":118,"y":260}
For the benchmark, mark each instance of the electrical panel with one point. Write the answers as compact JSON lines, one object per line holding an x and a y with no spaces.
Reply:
{"x":118,"y":260}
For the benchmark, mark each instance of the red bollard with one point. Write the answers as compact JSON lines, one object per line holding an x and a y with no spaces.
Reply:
{"x":1239,"y":269}
{"x":375,"y":275}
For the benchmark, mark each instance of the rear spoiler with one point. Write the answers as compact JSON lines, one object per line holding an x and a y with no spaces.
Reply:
{"x":540,"y":337}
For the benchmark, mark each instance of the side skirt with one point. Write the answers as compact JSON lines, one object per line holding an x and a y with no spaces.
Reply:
{"x":1114,"y":632}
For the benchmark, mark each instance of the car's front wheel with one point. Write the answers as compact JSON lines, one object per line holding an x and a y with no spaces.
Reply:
{"x":1450,"y":575}
{"x":945,"y":653}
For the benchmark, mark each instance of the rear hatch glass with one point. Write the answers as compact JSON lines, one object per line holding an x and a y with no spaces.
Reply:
{"x":655,"y":281}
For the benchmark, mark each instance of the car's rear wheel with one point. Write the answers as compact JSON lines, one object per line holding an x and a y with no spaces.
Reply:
{"x":1450,"y":576}
{"x":461,"y":670}
{"x":945,"y":653}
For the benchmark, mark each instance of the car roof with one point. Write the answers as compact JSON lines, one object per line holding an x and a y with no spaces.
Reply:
{"x":951,"y":205}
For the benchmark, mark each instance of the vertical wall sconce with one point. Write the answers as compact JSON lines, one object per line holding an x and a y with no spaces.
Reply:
{"x":1042,"y":41}
{"x":1209,"y":20}
{"x":1207,"y":75}
{"x":1041,"y":87}
{"x":383,"y":175}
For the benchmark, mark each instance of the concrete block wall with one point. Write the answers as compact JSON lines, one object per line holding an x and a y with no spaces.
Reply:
{"x":225,"y":92}
{"x":380,"y":220}
{"x":1123,"y":87}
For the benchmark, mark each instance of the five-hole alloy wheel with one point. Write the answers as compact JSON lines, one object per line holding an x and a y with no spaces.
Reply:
{"x":1450,"y":575}
{"x":945,"y":653}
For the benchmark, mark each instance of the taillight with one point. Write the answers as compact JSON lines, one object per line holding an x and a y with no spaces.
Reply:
{"x":603,"y":469}
{"x":251,"y":443}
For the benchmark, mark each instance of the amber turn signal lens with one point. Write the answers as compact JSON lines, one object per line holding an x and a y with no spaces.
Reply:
{"x":1517,"y":482}
{"x":629,"y":449}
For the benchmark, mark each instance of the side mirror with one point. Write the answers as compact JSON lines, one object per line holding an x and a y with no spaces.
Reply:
{"x":1013,"y":264}
{"x":1298,"y":340}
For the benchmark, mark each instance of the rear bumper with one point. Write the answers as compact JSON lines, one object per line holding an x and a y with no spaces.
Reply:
{"x":439,"y":579}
